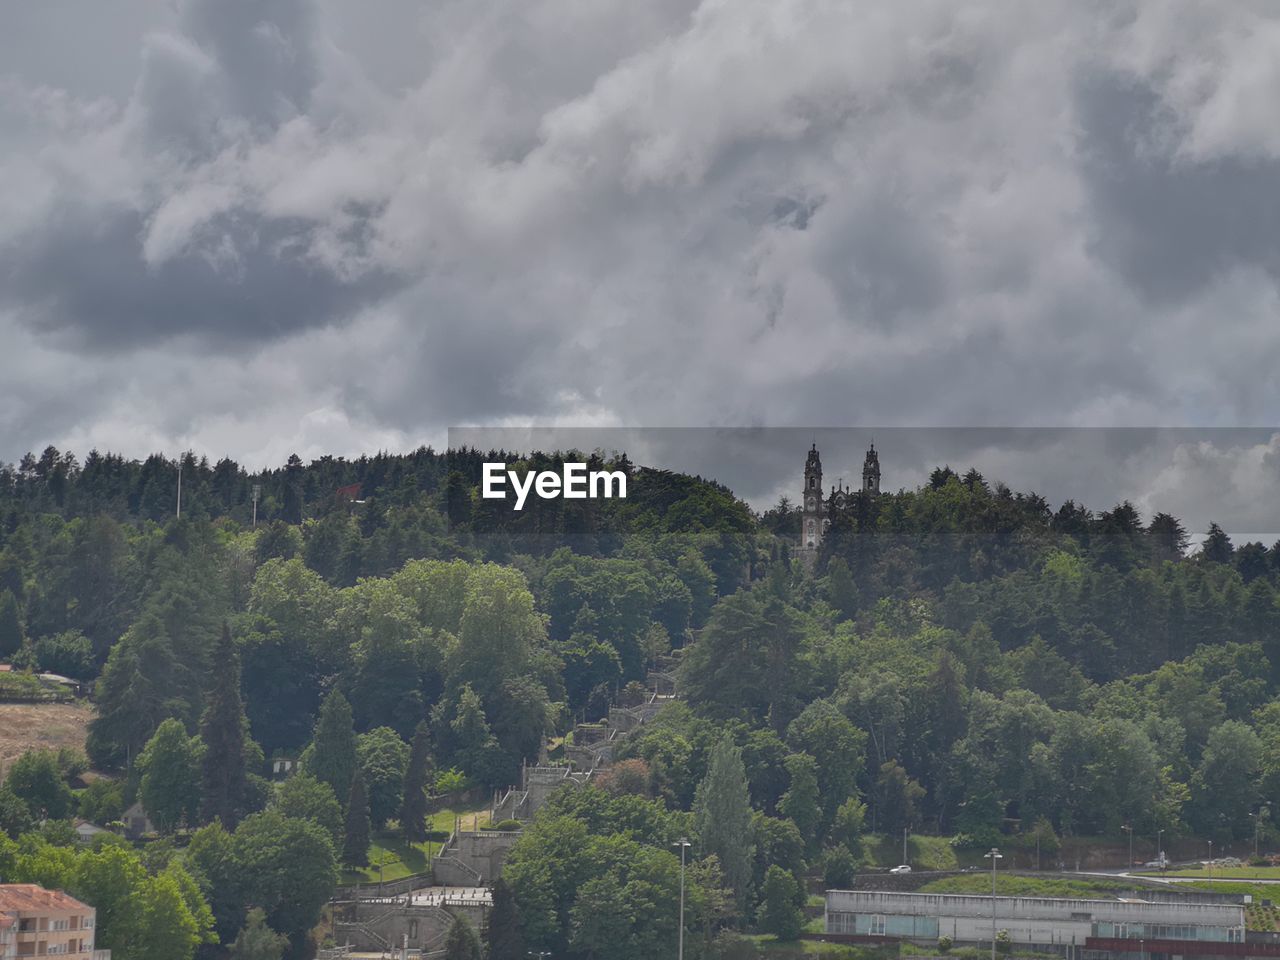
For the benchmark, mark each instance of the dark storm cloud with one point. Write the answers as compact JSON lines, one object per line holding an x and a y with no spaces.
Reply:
{"x":241,"y":278}
{"x":1170,"y":224}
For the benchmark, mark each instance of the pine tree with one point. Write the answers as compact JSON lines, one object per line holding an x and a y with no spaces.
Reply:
{"x":462,"y":943}
{"x":504,"y":939}
{"x":333,"y":747}
{"x":224,"y":777}
{"x":355,"y":843}
{"x":413,"y":805}
{"x":722,"y":809}
{"x":10,"y":625}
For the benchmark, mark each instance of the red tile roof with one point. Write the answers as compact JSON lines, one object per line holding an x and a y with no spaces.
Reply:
{"x":28,"y":897}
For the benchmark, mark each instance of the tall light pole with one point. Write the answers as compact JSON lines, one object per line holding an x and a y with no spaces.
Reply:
{"x":1257,"y":824}
{"x":904,"y":844}
{"x":684,"y":845}
{"x":257,"y":492}
{"x":1210,"y":858}
{"x":993,"y":856}
{"x":1129,"y":828}
{"x":1160,"y":849}
{"x":179,"y":511}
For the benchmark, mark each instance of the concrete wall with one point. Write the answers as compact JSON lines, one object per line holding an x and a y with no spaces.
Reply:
{"x":381,"y":926}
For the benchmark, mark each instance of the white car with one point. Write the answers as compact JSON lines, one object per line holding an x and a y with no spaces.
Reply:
{"x":901,"y":868}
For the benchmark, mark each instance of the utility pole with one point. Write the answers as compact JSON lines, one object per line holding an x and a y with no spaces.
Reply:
{"x":994,"y":855}
{"x":179,"y":513}
{"x":684,"y":845}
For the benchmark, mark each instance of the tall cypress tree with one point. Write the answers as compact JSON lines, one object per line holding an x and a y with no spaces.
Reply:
{"x":722,"y":808}
{"x":224,"y":778}
{"x":413,"y":806}
{"x":503,"y":937}
{"x":355,"y":843}
{"x":333,"y":746}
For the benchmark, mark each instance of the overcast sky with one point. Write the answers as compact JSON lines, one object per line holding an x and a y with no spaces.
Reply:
{"x":257,"y":227}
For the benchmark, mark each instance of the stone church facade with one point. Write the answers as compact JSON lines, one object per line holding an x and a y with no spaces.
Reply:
{"x":817,"y":510}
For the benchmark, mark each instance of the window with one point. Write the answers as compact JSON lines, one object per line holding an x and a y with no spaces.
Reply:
{"x":813,"y":483}
{"x":877,"y":926}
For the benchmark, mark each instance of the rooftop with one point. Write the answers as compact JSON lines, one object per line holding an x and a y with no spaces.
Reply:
{"x":22,"y":897}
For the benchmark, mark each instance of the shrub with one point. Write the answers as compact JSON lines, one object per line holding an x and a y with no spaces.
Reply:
{"x":839,"y":867}
{"x":945,"y":943}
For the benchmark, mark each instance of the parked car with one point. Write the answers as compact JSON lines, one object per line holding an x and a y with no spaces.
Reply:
{"x":901,"y":868}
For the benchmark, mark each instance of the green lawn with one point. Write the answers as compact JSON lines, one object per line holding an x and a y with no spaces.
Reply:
{"x":1023,"y":886}
{"x":923,"y":853}
{"x":400,"y":859}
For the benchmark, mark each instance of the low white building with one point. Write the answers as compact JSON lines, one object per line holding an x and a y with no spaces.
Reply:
{"x":1038,"y":921}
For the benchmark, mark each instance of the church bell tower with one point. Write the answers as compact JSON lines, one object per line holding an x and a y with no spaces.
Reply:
{"x":813,"y":512}
{"x":871,"y":472}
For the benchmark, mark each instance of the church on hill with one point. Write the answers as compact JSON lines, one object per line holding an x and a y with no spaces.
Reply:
{"x":818,"y":510}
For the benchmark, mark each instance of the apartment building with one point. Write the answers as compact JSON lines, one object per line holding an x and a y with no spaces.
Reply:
{"x":35,"y":922}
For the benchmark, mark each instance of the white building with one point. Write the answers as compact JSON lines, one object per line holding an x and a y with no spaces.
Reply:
{"x":1039,"y":921}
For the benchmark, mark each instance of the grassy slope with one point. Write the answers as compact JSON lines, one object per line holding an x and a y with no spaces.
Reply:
{"x":400,"y":859}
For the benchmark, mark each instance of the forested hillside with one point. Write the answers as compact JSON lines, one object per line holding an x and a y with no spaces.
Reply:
{"x":964,"y":661}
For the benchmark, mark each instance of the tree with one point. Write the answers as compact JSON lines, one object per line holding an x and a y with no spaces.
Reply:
{"x":285,"y":866}
{"x":1217,"y":546}
{"x":332,"y":757}
{"x":896,"y":797}
{"x":170,"y":788}
{"x":838,"y":747}
{"x":722,"y":812}
{"x":165,"y":928}
{"x":839,"y":867}
{"x":842,"y":593}
{"x":36,"y":779}
{"x":504,"y":938}
{"x":355,"y":842}
{"x":15,"y":815}
{"x":10,"y":625}
{"x":303,"y":797}
{"x":850,"y":820}
{"x":780,"y":905}
{"x":417,"y":775}
{"x":223,"y":775}
{"x":143,"y":684}
{"x":800,"y":803}
{"x":462,"y":943}
{"x":257,"y":941}
{"x":383,"y":759}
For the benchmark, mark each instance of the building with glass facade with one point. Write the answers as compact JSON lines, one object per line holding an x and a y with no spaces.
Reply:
{"x":1029,"y":921}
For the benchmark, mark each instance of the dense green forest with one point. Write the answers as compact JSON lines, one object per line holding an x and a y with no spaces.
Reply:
{"x":964,"y":661}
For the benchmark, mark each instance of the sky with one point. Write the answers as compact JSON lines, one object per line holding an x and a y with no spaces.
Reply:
{"x":259,"y":227}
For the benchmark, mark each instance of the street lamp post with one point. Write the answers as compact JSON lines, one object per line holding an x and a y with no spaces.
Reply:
{"x":904,"y":844}
{"x":1129,"y":828}
{"x":684,"y":845}
{"x":1257,"y":824}
{"x":1210,"y":858}
{"x":1160,"y":849}
{"x":993,"y":856}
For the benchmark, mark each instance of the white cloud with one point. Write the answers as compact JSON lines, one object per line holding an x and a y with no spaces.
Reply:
{"x":355,"y":227}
